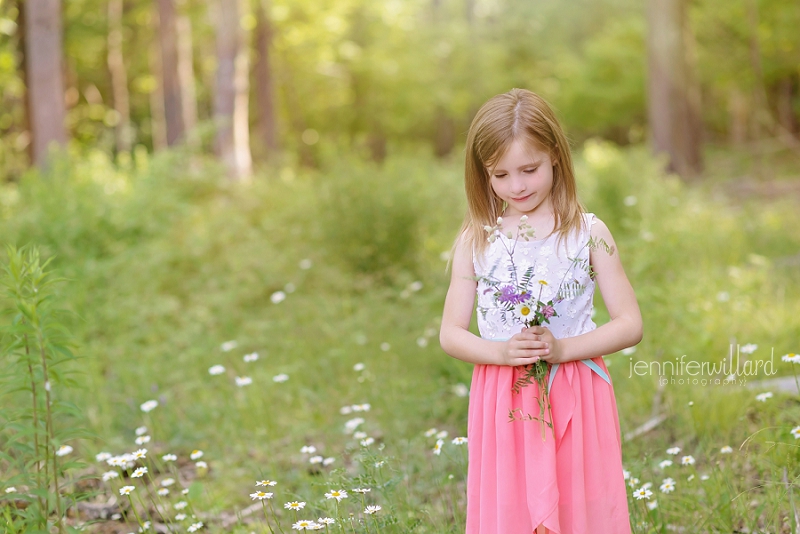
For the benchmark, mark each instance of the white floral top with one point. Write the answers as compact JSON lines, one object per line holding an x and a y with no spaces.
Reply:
{"x":551,"y":265}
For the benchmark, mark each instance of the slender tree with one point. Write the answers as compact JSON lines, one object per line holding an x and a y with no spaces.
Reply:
{"x":119,"y":77}
{"x":673,"y":109}
{"x":170,"y":79}
{"x":183,"y":28}
{"x":43,"y":65}
{"x":263,"y":75}
{"x":231,"y":99}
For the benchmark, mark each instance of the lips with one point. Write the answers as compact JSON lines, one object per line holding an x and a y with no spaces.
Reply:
{"x":521,"y":198}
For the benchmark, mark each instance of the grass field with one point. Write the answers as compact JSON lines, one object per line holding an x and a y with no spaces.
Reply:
{"x":336,"y":280}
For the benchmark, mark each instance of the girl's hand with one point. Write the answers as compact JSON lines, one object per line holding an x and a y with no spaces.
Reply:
{"x":555,"y":353}
{"x":523,"y":348}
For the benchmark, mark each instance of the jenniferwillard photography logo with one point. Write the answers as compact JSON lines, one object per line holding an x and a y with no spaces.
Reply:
{"x":731,"y":370}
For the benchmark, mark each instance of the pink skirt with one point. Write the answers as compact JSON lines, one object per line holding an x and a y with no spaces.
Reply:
{"x":569,"y":482}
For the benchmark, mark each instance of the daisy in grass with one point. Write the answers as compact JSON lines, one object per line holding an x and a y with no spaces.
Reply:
{"x":141,"y":430}
{"x":328,"y":461}
{"x":126,"y":490}
{"x":180,"y":505}
{"x":140,"y":471}
{"x":260,"y":495}
{"x":63,"y":450}
{"x":667,"y":485}
{"x":108,"y":475}
{"x":727,"y":449}
{"x":367,"y":442}
{"x":796,"y":432}
{"x":437,"y":449}
{"x":283,"y":377}
{"x":326,"y":521}
{"x":141,"y":440}
{"x":315,"y":459}
{"x":664,"y":463}
{"x":430,"y":432}
{"x":242,"y":381}
{"x":687,"y":460}
{"x":163,"y":492}
{"x":266,"y":483}
{"x":169,"y":457}
{"x":791,"y":358}
{"x":180,"y":517}
{"x":764,"y":396}
{"x":673,"y":450}
{"x":294,"y":505}
{"x":372,"y":509}
{"x":336,"y":494}
{"x":149,"y":406}
{"x":362,"y":491}
{"x":102,"y":456}
{"x":167,"y":482}
{"x":308,"y":449}
{"x":459,"y":441}
{"x":196,"y":455}
{"x":248,"y":358}
{"x":194,"y":527}
{"x":642,"y":493}
{"x":140,"y":454}
{"x":304,"y":524}
{"x":215,"y":370}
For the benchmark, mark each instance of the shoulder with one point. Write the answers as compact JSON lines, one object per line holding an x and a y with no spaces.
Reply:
{"x":601,"y":238}
{"x":463,"y":255}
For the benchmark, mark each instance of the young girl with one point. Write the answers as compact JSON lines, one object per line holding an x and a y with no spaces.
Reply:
{"x":518,"y":164}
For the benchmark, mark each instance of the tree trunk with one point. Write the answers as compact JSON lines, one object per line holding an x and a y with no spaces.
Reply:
{"x":183,"y":28}
{"x":264,"y":79}
{"x":43,"y":67}
{"x":119,"y":77}
{"x":786,"y":117}
{"x":672,"y":100}
{"x":158,"y":130}
{"x":231,"y":95}
{"x":170,"y":80}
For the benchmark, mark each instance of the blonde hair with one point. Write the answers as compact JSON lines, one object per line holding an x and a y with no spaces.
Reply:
{"x":504,"y":118}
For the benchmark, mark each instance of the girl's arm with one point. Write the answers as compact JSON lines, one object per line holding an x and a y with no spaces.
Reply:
{"x":455,"y":337}
{"x":625,"y":327}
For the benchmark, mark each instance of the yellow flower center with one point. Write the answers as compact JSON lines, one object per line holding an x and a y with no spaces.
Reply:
{"x":525,"y":310}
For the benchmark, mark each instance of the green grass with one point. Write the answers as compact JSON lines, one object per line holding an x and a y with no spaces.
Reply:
{"x":167,"y":260}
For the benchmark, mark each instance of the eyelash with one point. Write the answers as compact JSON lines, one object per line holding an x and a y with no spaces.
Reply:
{"x":526,"y":171}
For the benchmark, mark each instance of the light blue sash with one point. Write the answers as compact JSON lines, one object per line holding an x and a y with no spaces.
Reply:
{"x":589,"y":363}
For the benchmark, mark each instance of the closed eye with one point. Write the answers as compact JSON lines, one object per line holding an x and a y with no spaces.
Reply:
{"x":531,"y":171}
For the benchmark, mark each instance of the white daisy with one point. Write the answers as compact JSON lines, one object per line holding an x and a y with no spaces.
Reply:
{"x":326,"y":521}
{"x":459,"y":440}
{"x":126,"y":490}
{"x":180,"y":505}
{"x":215,"y":370}
{"x":229,"y":345}
{"x":351,"y":425}
{"x":441,"y":435}
{"x":308,"y":449}
{"x":194,"y":527}
{"x":362,"y":491}
{"x":141,"y":430}
{"x":102,"y":456}
{"x":260,"y":495}
{"x":430,"y":432}
{"x":673,"y":450}
{"x":242,"y":381}
{"x":196,"y":454}
{"x":169,"y":457}
{"x":626,"y":474}
{"x":266,"y":483}
{"x":796,"y":432}
{"x":315,"y":459}
{"x":373,"y":509}
{"x":642,"y":493}
{"x":277,"y":297}
{"x":328,"y":461}
{"x":294,"y":505}
{"x":163,"y":492}
{"x":63,"y":450}
{"x":139,"y":472}
{"x":791,"y":358}
{"x":11,"y":489}
{"x":422,"y":342}
{"x":359,"y":435}
{"x":180,"y":517}
{"x":138,"y":455}
{"x":437,"y":449}
{"x":524,"y":311}
{"x":201,"y":465}
{"x":727,"y":449}
{"x":253,"y":356}
{"x":167,"y":482}
{"x":750,"y":348}
{"x":336,"y":494}
{"x":665,"y":463}
{"x":108,"y":475}
{"x":667,"y":485}
{"x":359,"y":367}
{"x":345,"y":410}
{"x":304,"y":524}
{"x":367,"y":442}
{"x":687,"y":460}
{"x":764,"y":396}
{"x":141,"y":440}
{"x":283,"y":377}
{"x":652,"y":505}
{"x":148,"y":406}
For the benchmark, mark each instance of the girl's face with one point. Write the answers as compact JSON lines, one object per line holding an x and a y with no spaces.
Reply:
{"x":523,"y":177}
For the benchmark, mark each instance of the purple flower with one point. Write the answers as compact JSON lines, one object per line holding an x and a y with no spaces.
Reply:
{"x":507,"y":294}
{"x":548,"y":311}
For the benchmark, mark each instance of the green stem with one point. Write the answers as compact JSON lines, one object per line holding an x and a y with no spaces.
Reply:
{"x":39,"y":484}
{"x":50,"y":432}
{"x":277,"y":520}
{"x":266,"y":516}
{"x":133,"y":508}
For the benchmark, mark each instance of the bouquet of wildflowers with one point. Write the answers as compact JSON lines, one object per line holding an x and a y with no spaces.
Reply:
{"x":518,"y":303}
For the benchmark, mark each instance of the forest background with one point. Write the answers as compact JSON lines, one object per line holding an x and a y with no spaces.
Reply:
{"x":284,"y":178}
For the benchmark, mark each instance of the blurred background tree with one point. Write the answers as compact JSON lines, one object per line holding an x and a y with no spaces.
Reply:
{"x":378,"y":78}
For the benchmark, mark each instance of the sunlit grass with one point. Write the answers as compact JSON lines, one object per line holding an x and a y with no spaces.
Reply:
{"x":171,"y":264}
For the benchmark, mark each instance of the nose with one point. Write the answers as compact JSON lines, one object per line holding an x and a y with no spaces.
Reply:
{"x":518,"y":185}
